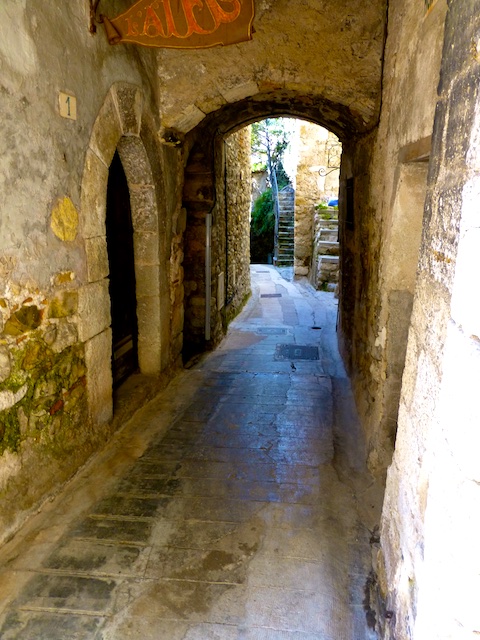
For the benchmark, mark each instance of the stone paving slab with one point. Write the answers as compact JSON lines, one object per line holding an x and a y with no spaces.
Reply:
{"x":31,"y":625}
{"x":114,"y":529}
{"x":222,"y":514}
{"x":98,"y":558}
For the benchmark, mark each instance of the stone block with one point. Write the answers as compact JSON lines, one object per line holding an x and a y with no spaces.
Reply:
{"x":199,"y":188}
{"x":181,"y":222}
{"x":63,"y":305}
{"x":94,"y":197}
{"x":97,"y":258}
{"x":98,"y":355}
{"x":186,"y":120}
{"x":301,"y":271}
{"x":8,"y":398}
{"x":135,"y":161}
{"x":148,"y":279}
{"x":148,"y":317}
{"x":240,"y":91}
{"x":177,"y":319}
{"x":27,"y":318}
{"x":5,"y":363}
{"x":146,"y":248}
{"x":65,"y":335}
{"x":149,"y":356}
{"x":144,"y":209}
{"x":106,"y":132}
{"x":129,"y":101}
{"x":93,"y":309}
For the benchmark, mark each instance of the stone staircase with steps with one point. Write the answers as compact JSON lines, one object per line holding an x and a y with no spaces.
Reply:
{"x":286,"y":226}
{"x":326,"y":250}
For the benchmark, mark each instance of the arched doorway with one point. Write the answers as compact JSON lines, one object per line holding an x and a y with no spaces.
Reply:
{"x":122,"y":284}
{"x":123,"y":137}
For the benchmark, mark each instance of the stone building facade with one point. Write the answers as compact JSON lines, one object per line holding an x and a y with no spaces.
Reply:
{"x":397,"y":82}
{"x":317,"y":176}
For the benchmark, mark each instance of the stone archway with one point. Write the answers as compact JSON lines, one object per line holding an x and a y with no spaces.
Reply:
{"x":118,"y":127}
{"x":203,"y":183}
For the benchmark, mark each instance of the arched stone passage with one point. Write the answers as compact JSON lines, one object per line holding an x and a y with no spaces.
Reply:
{"x":119,"y":126}
{"x":203,"y":182}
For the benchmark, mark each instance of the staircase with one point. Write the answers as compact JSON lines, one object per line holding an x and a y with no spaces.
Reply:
{"x":326,"y":250}
{"x":284,"y":249}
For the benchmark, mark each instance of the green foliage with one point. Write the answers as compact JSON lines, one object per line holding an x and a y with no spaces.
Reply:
{"x":282,"y":178}
{"x":270,"y":140}
{"x":263,"y":217}
{"x":262,"y":228}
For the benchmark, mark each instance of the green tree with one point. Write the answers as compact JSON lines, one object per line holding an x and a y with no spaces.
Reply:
{"x":262,"y":227}
{"x":269,"y":142}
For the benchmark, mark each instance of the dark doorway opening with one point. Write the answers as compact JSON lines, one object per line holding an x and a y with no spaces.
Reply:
{"x":122,"y":274}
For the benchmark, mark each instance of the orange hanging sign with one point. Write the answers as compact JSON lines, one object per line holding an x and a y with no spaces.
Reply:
{"x":183,"y":24}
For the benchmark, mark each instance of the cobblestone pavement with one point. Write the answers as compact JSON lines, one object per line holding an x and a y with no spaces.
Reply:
{"x":234,"y":506}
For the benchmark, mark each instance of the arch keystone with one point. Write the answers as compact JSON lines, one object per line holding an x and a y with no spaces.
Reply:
{"x":129,"y":102}
{"x":107,"y":131}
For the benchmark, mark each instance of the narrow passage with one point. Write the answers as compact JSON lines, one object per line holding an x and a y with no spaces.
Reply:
{"x":234,"y":506}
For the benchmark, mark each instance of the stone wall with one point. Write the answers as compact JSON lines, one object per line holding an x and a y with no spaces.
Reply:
{"x":237,"y":267}
{"x":429,"y":563}
{"x":55,"y":337}
{"x":222,"y":192}
{"x":315,"y":153}
{"x":383,"y":181}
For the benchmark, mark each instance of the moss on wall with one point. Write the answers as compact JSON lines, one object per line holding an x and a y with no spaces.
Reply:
{"x":47,"y":393}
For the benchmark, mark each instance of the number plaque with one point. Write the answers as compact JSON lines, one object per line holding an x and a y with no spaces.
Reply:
{"x":68,"y":105}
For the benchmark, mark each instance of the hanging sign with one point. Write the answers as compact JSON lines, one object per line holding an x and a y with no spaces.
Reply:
{"x":429,"y":5}
{"x":183,"y":24}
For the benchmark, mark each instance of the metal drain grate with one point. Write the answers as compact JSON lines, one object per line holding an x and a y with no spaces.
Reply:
{"x":296,"y":352}
{"x":270,"y":295}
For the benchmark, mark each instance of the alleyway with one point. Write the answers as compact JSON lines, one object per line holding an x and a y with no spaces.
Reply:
{"x":235,"y":505}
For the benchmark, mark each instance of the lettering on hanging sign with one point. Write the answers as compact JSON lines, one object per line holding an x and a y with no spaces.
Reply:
{"x":183,"y":24}
{"x":429,"y":4}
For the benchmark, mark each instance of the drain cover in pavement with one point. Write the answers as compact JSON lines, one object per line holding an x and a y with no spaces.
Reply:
{"x":295,"y":352}
{"x":271,"y":331}
{"x":270,"y":295}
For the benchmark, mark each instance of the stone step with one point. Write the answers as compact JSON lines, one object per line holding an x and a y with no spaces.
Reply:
{"x":330,"y":260}
{"x":329,"y":235}
{"x":333,"y":228}
{"x":328,"y":248}
{"x":327,"y":224}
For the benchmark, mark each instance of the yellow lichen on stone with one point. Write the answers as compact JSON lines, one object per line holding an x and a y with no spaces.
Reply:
{"x":64,"y":221}
{"x":63,"y":277}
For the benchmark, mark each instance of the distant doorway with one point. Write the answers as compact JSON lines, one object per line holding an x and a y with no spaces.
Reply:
{"x":122,"y":285}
